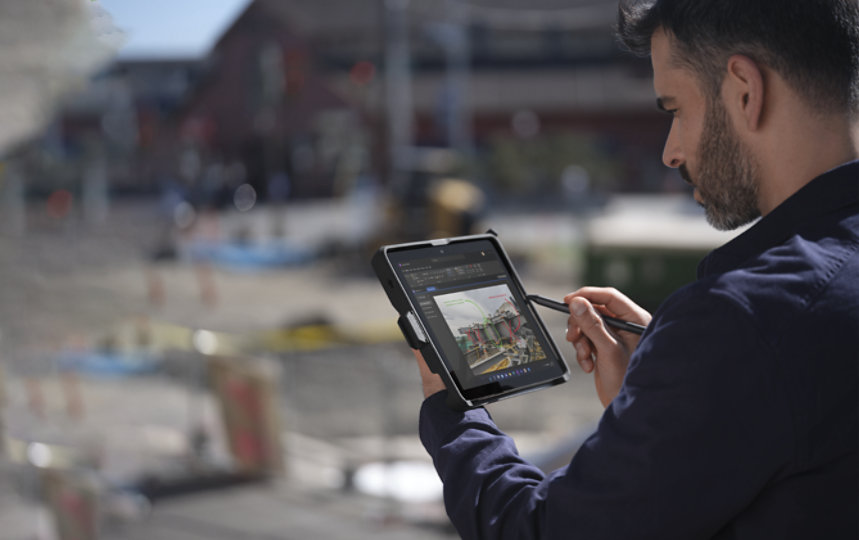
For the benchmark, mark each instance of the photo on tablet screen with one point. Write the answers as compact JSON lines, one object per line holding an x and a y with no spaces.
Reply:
{"x":489,"y":329}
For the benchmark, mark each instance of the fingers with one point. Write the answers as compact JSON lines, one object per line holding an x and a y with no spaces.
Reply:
{"x":582,"y":344}
{"x":423,"y":368}
{"x":587,"y":332}
{"x":431,"y":382}
{"x":584,"y":355}
{"x":601,"y":295}
{"x":615,"y":302}
{"x":583,"y":315}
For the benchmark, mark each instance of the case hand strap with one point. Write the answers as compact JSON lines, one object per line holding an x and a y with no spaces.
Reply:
{"x":412,"y":330}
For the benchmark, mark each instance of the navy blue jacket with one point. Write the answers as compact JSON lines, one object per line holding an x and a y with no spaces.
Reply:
{"x":737,"y":417}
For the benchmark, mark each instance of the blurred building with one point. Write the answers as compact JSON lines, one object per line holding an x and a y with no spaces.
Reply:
{"x":123,"y":124}
{"x":311,"y":98}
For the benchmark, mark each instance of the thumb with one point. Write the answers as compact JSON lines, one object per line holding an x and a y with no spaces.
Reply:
{"x":590,"y":322}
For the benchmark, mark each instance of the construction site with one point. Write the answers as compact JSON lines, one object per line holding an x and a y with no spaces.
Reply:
{"x":499,"y":342}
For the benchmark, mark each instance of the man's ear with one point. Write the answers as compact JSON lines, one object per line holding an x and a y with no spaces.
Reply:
{"x":744,"y":91}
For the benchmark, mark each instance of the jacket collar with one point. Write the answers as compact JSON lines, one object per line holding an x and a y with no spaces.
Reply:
{"x":825,"y":194}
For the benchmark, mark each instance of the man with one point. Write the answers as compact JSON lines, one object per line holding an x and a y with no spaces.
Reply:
{"x":735,"y":415}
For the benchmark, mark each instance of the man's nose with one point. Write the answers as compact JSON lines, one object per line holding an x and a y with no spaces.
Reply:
{"x":672,"y":155}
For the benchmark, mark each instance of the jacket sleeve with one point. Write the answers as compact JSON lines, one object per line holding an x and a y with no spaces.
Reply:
{"x":698,"y":428}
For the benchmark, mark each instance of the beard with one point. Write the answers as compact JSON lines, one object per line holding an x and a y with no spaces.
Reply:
{"x":727,"y":177}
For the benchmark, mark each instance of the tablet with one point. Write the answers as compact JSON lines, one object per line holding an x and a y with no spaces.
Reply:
{"x":463,"y":306}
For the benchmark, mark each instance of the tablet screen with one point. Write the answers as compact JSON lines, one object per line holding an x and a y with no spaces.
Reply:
{"x":469,"y":301}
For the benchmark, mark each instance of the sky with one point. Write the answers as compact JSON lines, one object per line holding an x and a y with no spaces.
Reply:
{"x":171,"y":28}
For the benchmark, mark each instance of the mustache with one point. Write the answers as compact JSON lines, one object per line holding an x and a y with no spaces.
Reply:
{"x":684,"y":174}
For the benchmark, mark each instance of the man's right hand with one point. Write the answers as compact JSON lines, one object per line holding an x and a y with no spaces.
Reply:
{"x":600,"y":350}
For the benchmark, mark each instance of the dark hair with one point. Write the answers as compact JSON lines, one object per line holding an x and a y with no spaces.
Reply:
{"x":812,"y":44}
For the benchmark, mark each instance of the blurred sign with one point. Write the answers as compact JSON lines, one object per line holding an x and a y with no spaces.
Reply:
{"x":246,"y":391}
{"x":73,"y":502}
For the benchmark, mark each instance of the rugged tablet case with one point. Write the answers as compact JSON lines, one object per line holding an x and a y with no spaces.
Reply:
{"x":413,"y":329}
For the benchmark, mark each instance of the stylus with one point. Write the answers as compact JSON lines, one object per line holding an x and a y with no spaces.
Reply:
{"x":611,"y":321}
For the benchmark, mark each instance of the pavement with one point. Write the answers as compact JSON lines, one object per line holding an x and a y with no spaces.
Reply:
{"x":345,"y":405}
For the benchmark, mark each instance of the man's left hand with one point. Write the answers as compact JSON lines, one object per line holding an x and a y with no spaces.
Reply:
{"x":432,"y":383}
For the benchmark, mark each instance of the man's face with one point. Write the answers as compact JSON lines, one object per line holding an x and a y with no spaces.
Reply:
{"x":703,"y":145}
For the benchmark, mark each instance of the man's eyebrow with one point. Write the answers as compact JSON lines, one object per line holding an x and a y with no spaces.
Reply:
{"x":663,"y":103}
